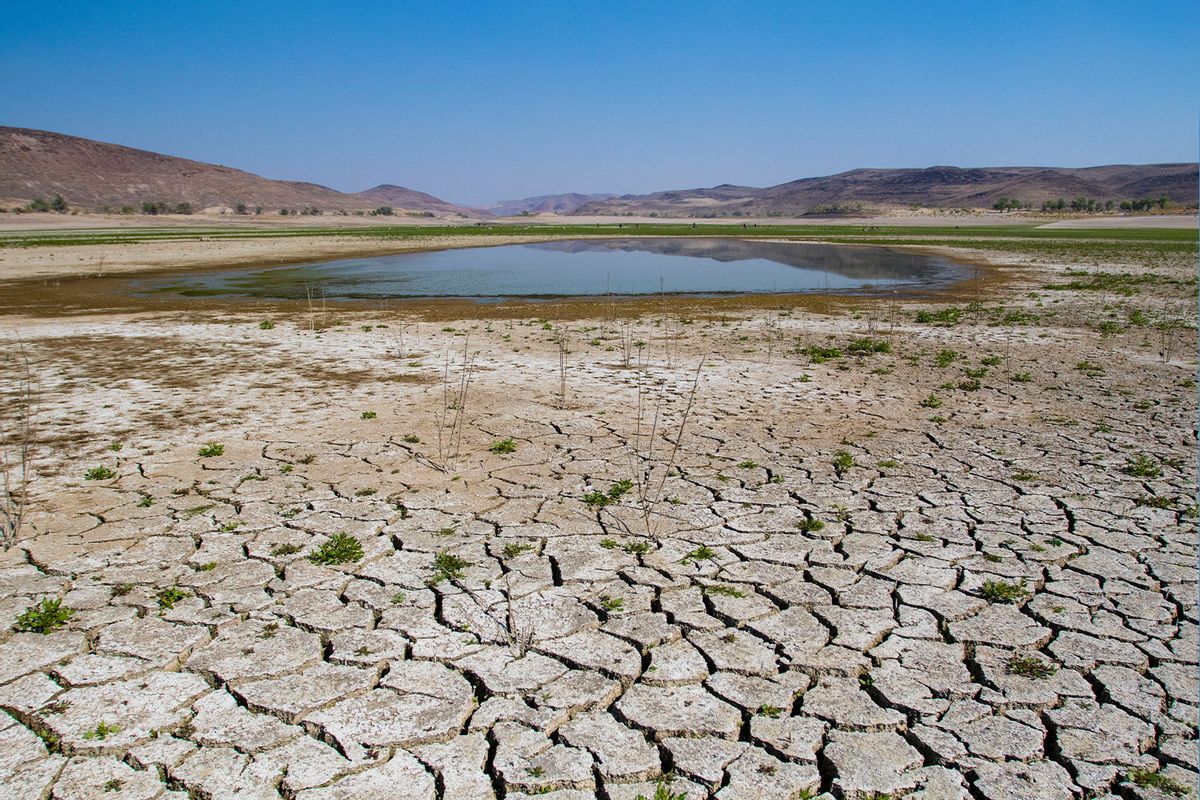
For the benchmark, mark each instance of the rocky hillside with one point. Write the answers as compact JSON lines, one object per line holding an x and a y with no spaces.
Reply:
{"x":93,"y":175}
{"x":935,"y":187}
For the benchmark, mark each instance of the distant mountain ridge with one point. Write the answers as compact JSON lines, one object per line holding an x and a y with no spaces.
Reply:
{"x":545,"y":204}
{"x":94,"y":175}
{"x":935,"y":187}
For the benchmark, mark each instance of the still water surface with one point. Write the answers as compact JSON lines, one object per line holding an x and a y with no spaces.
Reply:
{"x":582,"y":268}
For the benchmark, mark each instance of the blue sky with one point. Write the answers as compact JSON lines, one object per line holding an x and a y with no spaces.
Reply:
{"x":484,"y":101}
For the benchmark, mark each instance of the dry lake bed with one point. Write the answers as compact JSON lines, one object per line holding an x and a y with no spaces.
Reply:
{"x":774,"y":547}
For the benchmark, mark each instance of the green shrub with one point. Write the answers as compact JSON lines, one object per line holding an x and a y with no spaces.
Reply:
{"x":1142,"y":466}
{"x":1153,"y":779}
{"x":45,"y":617}
{"x":1003,"y":592}
{"x":447,"y":567}
{"x":342,"y":548}
{"x":99,"y":474}
{"x":945,"y":358}
{"x":946,"y":316}
{"x":819,"y":355}
{"x":1030,"y":667}
{"x":867,"y":346}
{"x":503,"y":446}
{"x":167,"y":598}
{"x":211,"y":450}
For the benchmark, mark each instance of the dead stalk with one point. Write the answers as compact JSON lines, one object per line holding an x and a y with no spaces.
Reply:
{"x":16,"y":450}
{"x":449,"y":445}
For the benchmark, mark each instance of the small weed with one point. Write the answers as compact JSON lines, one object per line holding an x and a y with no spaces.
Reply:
{"x":608,"y":544}
{"x":447,"y":567}
{"x":869,"y":346}
{"x":102,"y":731}
{"x":990,"y":361}
{"x":724,"y":590}
{"x":168,"y":597}
{"x":615,"y":492}
{"x":308,"y":459}
{"x":113,"y":785}
{"x":1153,"y":501}
{"x":1003,"y":592}
{"x":286,"y":469}
{"x":1090,"y":369}
{"x":1153,"y":779}
{"x":286,"y":549}
{"x":211,"y":450}
{"x":701,"y":553}
{"x":366,"y":491}
{"x":369,"y":415}
{"x":937,"y":419}
{"x":503,"y":446}
{"x":341,"y":548}
{"x":747,"y":464}
{"x":810,"y":525}
{"x":946,"y":316}
{"x":663,"y":792}
{"x":209,"y":567}
{"x":889,"y":463}
{"x":971,"y":385}
{"x":45,"y":617}
{"x":1024,"y":476}
{"x":638,"y":547}
{"x":610,"y":604}
{"x":819,"y":355}
{"x":230,"y":527}
{"x":1142,"y":466}
{"x":398,"y":598}
{"x":115,"y":446}
{"x":269,"y":630}
{"x":145,"y":502}
{"x":1030,"y":667}
{"x":842,"y":462}
{"x":1021,"y":377}
{"x":122,"y":589}
{"x":945,"y":358}
{"x":513,"y":549}
{"x":770,"y":711}
{"x":411,"y":439}
{"x":99,"y":474}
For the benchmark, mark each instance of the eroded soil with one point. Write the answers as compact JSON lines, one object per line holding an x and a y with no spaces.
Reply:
{"x":961,"y":565}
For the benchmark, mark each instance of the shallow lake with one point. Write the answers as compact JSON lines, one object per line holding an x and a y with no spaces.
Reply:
{"x":585,"y":267}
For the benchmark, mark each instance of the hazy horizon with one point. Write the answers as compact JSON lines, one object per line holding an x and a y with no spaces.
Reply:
{"x":480,"y":104}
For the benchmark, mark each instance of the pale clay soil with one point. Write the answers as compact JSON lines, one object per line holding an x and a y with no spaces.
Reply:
{"x":702,"y":627}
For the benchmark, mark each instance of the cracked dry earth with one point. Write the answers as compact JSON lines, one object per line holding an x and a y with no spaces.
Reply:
{"x":753,"y":615}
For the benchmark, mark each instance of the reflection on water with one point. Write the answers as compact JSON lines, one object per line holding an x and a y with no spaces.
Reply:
{"x":584,"y":267}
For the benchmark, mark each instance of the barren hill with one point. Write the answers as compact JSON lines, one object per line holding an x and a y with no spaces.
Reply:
{"x":388,"y":194}
{"x":936,"y":187}
{"x":95,"y":174}
{"x":545,"y":203}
